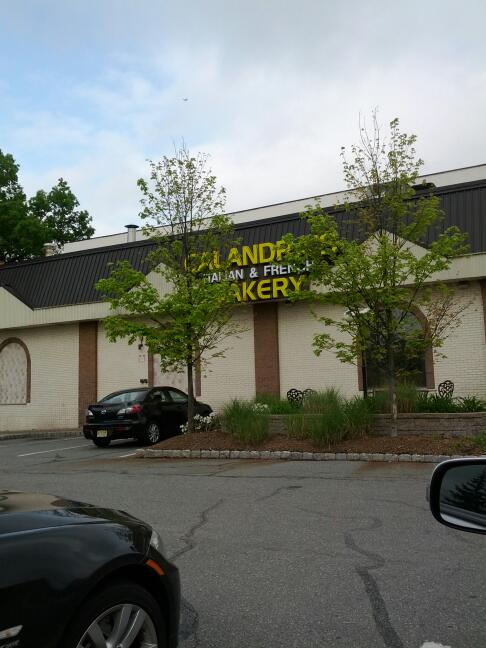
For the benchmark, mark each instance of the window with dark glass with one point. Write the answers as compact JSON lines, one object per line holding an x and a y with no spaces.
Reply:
{"x":410,"y":368}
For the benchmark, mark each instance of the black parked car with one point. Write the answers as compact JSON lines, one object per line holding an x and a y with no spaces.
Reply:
{"x":146,"y":414}
{"x":76,"y":576}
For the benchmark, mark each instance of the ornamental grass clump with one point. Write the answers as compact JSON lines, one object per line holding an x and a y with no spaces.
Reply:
{"x":327,"y":417}
{"x":329,"y":427}
{"x":322,"y":401}
{"x":407,"y":399}
{"x":359,"y":417}
{"x":245,"y":420}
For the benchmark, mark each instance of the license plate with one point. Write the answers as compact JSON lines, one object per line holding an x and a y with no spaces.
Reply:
{"x":102,"y":433}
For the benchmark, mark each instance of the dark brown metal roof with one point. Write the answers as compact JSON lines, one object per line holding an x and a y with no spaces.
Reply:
{"x":68,"y":279}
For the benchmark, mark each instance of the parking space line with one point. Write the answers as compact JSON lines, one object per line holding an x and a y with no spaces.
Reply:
{"x":132,"y":454}
{"x":27,"y":454}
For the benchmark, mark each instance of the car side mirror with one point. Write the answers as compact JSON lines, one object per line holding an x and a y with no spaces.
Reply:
{"x":458,"y":494}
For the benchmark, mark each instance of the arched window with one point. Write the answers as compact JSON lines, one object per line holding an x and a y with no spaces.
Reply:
{"x":14,"y":372}
{"x":417,"y":369}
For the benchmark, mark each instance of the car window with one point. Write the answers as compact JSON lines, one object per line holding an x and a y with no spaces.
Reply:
{"x":134,"y":396}
{"x":159,"y":394}
{"x":177,"y":396}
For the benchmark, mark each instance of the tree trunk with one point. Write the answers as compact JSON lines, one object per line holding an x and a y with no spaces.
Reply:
{"x":392,"y":388}
{"x":190,"y":397}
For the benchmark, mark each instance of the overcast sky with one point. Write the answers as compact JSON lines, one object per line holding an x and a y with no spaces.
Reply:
{"x":89,"y":89}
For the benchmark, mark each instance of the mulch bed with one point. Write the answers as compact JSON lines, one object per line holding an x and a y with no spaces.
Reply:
{"x":435,"y":445}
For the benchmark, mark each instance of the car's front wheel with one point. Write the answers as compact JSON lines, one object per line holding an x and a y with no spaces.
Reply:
{"x":123,"y":614}
{"x":152,"y":433}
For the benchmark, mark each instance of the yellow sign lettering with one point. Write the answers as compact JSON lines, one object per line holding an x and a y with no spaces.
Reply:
{"x":246,"y":291}
{"x":234,"y":256}
{"x":249,"y":254}
{"x":264,"y":289}
{"x":270,"y":248}
{"x":280,"y":285}
{"x":297,"y":282}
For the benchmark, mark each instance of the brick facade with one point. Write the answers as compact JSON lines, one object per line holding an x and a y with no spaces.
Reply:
{"x":265,"y":331}
{"x":88,"y":367}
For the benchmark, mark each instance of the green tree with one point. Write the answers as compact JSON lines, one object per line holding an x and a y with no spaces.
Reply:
{"x":58,"y":211}
{"x":21,"y":235}
{"x":26,"y":225}
{"x":386,"y":272}
{"x":178,"y":313}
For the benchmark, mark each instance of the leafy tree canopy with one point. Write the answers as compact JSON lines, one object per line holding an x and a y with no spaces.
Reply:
{"x":380,"y":276}
{"x":27,"y":224}
{"x":177,"y":312}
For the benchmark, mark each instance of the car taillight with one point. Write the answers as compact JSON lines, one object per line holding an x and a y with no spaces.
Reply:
{"x":134,"y":409}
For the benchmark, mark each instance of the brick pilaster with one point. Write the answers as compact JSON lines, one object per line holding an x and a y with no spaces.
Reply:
{"x":88,"y":367}
{"x":265,"y":330}
{"x":482,"y":283}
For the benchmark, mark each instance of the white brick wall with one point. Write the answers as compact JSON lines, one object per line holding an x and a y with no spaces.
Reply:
{"x":299,"y":366}
{"x":234,"y":375}
{"x":54,"y":353}
{"x":120,"y":365}
{"x":465,"y":349}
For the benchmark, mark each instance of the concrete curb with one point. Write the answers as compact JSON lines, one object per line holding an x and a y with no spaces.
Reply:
{"x":46,"y":434}
{"x":149,"y":453}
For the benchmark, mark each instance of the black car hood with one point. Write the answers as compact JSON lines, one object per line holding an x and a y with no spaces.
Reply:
{"x":30,"y":511}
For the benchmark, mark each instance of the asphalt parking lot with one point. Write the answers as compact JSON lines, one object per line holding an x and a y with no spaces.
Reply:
{"x":284,"y":554}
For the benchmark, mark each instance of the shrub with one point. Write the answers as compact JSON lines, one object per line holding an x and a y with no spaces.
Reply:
{"x":471,"y":404}
{"x":434,"y":403}
{"x":246,"y":420}
{"x":275,"y":404}
{"x":201,"y":423}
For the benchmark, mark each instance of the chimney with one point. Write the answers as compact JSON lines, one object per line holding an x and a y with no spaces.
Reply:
{"x":131,"y":233}
{"x":50,"y":249}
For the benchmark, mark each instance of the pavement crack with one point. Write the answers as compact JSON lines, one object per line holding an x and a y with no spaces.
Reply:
{"x":189,"y":537}
{"x":377,"y":602}
{"x":276,"y":492}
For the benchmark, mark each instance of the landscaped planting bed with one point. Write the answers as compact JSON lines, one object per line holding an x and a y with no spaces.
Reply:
{"x":430,"y":445}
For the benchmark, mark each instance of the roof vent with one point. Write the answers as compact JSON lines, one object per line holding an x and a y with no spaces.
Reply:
{"x":50,"y":249}
{"x":131,"y":233}
{"x":423,"y":185}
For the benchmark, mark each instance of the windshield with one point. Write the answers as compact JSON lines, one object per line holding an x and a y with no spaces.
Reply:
{"x":134,"y":396}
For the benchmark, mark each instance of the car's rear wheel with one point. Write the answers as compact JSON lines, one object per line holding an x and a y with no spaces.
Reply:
{"x":101,"y":443}
{"x":123,"y":614}
{"x":152,"y":433}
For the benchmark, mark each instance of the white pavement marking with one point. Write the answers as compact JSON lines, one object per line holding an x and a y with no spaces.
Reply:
{"x":132,"y":454}
{"x":27,"y":454}
{"x":432,"y":644}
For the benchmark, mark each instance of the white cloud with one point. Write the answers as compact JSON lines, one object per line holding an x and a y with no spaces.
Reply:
{"x":272,"y":95}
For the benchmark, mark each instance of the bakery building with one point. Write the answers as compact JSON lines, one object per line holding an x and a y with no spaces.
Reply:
{"x":55,"y":357}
